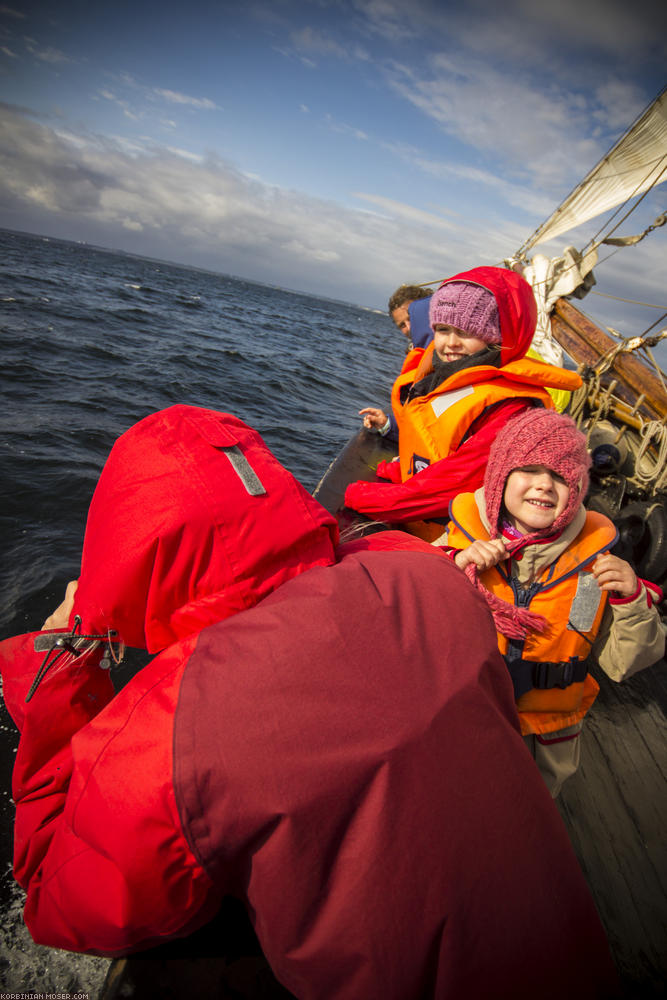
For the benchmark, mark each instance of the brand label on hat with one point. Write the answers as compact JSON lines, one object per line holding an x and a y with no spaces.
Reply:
{"x":443,"y":402}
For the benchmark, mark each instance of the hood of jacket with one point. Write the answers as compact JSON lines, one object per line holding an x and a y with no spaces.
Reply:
{"x":517,"y":310}
{"x":193,"y":519}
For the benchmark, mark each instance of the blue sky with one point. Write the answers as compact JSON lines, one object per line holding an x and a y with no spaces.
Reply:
{"x":338,"y":148}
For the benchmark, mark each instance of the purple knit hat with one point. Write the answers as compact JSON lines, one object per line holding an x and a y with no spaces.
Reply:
{"x":537,"y":437}
{"x":469,"y":307}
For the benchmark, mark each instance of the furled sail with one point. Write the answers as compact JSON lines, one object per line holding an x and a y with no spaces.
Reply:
{"x":636,"y":163}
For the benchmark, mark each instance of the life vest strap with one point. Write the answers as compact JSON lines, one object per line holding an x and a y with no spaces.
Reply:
{"x":544,"y":674}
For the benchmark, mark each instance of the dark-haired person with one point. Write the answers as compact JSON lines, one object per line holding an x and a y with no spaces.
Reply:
{"x":453,"y":397}
{"x":399,"y":303}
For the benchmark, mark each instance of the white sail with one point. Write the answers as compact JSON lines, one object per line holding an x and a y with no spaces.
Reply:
{"x":636,"y":163}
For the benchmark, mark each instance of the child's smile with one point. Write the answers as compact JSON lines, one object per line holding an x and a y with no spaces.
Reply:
{"x":450,"y":343}
{"x":534,"y":497}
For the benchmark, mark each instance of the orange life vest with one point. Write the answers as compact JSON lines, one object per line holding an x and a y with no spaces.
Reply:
{"x":433,"y":426}
{"x":549,"y":669}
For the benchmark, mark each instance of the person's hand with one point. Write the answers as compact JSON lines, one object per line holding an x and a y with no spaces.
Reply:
{"x":60,"y":617}
{"x":483,"y":553}
{"x":612,"y":573}
{"x":374,"y":417}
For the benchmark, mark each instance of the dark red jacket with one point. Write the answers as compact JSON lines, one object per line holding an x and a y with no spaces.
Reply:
{"x":343,"y":755}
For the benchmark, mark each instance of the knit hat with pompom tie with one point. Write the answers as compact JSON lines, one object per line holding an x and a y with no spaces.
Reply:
{"x":537,"y":437}
{"x":534,"y":437}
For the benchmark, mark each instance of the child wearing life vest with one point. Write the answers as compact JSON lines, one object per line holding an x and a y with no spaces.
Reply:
{"x":453,"y":397}
{"x":560,"y":599}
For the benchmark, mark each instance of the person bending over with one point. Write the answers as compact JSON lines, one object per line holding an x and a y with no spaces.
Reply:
{"x":312,"y":738}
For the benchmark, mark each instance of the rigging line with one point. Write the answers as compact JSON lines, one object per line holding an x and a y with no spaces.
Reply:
{"x":618,"y":298}
{"x":659,"y":320}
{"x":627,"y":200}
{"x":597,"y":166}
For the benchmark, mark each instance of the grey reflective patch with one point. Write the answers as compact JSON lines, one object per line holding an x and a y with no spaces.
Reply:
{"x":244,"y":471}
{"x":442,"y":402}
{"x":585,"y":604}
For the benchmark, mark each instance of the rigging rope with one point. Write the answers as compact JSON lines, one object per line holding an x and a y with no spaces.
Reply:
{"x":650,"y":471}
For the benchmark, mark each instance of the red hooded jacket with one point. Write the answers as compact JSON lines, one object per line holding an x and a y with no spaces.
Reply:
{"x":337,"y":755}
{"x":428,"y":493}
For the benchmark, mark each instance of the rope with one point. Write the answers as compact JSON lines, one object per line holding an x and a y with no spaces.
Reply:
{"x":619,"y":298}
{"x":649,"y":471}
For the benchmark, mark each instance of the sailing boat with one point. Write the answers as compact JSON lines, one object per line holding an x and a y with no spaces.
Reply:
{"x":614,"y":809}
{"x":622,"y":406}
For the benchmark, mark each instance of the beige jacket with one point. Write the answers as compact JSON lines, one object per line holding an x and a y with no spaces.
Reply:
{"x":631,"y":635}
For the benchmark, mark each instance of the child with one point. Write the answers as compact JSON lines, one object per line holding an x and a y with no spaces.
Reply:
{"x":453,"y":397}
{"x":559,"y":597}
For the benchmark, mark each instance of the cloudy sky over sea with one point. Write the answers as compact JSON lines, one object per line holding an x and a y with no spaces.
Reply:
{"x":337,"y":147}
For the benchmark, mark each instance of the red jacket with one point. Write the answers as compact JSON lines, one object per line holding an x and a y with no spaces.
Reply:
{"x":428,"y":493}
{"x":339,"y":756}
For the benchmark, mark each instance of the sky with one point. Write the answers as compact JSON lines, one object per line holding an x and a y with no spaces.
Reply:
{"x":336,"y":147}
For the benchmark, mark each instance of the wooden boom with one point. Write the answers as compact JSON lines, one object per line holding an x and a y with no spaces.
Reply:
{"x":586,"y":343}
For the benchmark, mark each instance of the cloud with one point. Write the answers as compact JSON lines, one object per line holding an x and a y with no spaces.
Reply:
{"x":519,"y":83}
{"x":314,"y":42}
{"x":218,"y":216}
{"x":203,"y":103}
{"x":164,"y":201}
{"x":309,"y":43}
{"x":128,"y":112}
{"x":526,"y":35}
{"x":47,"y":55}
{"x":407,"y":213}
{"x":343,"y":129}
{"x":538,"y":137}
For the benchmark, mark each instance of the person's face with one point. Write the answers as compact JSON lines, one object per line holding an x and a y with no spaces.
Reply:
{"x":451,"y":344}
{"x":401,"y":318}
{"x":534,"y":497}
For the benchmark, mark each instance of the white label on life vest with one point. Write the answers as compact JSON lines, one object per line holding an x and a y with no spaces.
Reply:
{"x":447,"y":399}
{"x":585,"y":604}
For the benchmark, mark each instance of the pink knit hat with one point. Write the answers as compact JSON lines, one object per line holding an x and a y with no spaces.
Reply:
{"x":469,"y":307}
{"x":537,"y":437}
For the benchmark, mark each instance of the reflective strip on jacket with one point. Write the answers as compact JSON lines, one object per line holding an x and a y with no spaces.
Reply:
{"x":568,"y":597}
{"x":433,"y":426}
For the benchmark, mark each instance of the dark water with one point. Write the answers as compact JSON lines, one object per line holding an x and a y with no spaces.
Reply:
{"x":92,"y":341}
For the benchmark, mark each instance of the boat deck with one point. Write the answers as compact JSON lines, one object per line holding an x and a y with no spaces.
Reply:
{"x":615,"y":809}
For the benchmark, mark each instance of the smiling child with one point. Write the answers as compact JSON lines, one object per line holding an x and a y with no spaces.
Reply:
{"x":560,"y":598}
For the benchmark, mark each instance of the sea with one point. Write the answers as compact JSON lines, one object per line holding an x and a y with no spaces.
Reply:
{"x":93,"y":340}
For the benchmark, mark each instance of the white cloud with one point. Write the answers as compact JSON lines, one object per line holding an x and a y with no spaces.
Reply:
{"x":49,"y":55}
{"x":309,"y":43}
{"x":168,"y":202}
{"x":211,"y":210}
{"x":203,"y":103}
{"x":408,"y":213}
{"x":344,"y":129}
{"x":312,"y":41}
